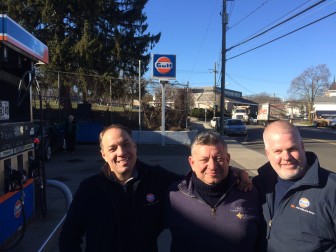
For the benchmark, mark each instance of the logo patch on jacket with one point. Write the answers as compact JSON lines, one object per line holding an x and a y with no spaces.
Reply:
{"x":150,"y":197}
{"x":304,"y":204}
{"x":242,"y":212}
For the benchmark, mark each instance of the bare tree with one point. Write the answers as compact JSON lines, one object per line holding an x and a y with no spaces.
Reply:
{"x":313,"y":82}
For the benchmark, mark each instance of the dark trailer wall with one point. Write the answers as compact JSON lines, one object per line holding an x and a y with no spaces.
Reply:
{"x":19,"y":51}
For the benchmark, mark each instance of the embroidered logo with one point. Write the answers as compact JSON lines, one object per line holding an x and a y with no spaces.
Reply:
{"x":304,"y":203}
{"x":240,"y":216}
{"x":150,"y":197}
{"x":241,"y":212}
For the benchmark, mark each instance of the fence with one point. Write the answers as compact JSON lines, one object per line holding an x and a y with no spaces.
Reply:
{"x":64,"y":93}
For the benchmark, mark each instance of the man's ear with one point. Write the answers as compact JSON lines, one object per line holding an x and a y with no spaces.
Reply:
{"x":228,"y":157}
{"x":302,"y":145}
{"x":102,"y":154}
{"x":191,"y":162}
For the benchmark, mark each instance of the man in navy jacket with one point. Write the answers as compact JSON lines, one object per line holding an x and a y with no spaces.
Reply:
{"x":298,"y":196}
{"x":205,"y":211}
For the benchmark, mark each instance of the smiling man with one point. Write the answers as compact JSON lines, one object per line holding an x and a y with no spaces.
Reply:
{"x":298,"y":196}
{"x":206,"y":211}
{"x":121,"y":208}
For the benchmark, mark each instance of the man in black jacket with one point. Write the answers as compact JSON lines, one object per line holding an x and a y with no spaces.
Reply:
{"x":121,"y":208}
{"x":298,"y":196}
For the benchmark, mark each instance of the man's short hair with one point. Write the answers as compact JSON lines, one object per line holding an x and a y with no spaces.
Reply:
{"x":208,"y":138}
{"x":114,"y":126}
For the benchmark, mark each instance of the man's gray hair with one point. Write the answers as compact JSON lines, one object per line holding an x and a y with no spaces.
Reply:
{"x":208,"y":138}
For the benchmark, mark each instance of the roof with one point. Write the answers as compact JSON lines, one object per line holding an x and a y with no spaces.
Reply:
{"x":325,"y":99}
{"x":207,"y":94}
{"x":240,"y":100}
{"x":333,"y":86}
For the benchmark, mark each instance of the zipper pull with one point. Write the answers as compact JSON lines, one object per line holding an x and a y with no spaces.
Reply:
{"x":213,"y":211}
{"x":270,"y":223}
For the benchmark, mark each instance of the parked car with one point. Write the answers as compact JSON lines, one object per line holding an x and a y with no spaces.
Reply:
{"x":333,"y":124}
{"x":234,"y":127}
{"x":53,"y":138}
{"x":214,"y":122}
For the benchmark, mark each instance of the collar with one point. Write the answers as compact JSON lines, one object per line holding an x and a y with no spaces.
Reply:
{"x":309,"y":178}
{"x":187,"y":186}
{"x":105,"y":169}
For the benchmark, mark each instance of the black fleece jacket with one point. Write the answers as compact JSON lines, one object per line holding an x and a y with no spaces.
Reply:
{"x":115,"y":217}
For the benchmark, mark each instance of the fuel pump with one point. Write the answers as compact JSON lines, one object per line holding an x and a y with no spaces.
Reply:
{"x":19,"y":51}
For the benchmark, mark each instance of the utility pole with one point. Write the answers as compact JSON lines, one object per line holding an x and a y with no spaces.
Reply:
{"x":215,"y":90}
{"x":222,"y":100}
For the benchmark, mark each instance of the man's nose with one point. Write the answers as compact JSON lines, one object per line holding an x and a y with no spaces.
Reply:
{"x":120,"y":150}
{"x":212,"y":163}
{"x":286,"y":155}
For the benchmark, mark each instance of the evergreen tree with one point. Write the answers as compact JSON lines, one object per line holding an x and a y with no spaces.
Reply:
{"x":99,"y":37}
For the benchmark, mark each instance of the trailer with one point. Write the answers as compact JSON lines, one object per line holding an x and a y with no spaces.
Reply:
{"x":270,"y":112}
{"x":19,"y":52}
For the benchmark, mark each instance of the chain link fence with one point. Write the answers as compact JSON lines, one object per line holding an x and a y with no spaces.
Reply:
{"x":110,"y":100}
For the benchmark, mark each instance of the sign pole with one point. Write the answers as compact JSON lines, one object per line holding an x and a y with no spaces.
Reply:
{"x":163,"y":116}
{"x":164,"y":69}
{"x":140,"y":101}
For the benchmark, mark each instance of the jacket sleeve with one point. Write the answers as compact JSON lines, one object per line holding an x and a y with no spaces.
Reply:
{"x":71,"y":236}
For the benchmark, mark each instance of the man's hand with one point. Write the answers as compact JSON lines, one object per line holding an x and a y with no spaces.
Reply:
{"x":244,"y":182}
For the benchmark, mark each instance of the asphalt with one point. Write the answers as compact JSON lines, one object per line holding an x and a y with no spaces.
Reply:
{"x":41,"y":233}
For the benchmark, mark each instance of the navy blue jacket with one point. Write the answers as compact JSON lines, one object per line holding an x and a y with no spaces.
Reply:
{"x":233,"y":225}
{"x":117,"y":218}
{"x":306,"y":218}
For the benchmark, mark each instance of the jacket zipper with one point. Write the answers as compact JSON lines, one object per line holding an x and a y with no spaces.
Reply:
{"x":213,"y":211}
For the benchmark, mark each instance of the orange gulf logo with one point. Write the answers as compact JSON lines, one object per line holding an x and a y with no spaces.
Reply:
{"x":163,"y":65}
{"x":150,"y":197}
{"x":303,"y":202}
{"x":17,"y":209}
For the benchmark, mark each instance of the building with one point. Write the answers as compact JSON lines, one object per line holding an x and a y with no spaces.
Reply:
{"x":325,"y":106}
{"x":206,"y":98}
{"x":332,"y":90}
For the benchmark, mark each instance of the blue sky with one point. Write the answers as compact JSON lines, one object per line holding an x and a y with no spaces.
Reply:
{"x":192,"y":29}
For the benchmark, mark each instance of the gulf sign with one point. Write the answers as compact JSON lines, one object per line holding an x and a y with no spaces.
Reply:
{"x":164,"y":66}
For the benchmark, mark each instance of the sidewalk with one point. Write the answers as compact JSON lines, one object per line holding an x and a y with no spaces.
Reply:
{"x":71,"y":169}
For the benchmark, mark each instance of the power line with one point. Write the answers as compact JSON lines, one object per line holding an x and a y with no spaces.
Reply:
{"x":302,"y":27}
{"x":239,"y":84}
{"x":241,"y":20}
{"x":265,"y":27}
{"x":274,"y":26}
